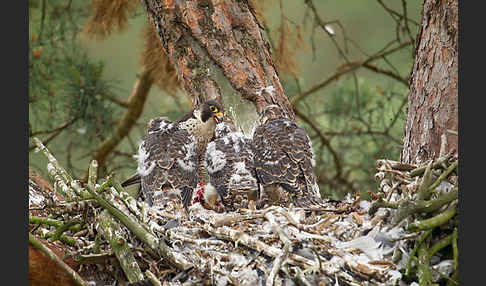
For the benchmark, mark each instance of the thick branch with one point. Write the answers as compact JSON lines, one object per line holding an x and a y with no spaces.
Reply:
{"x":207,"y":38}
{"x":153,"y":242}
{"x":113,"y":234}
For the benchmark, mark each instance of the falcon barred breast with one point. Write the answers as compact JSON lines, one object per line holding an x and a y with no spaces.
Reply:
{"x":229,"y":161}
{"x":170,"y":154}
{"x":284,"y":159}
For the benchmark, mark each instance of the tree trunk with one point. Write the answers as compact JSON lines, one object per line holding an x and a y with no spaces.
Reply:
{"x":217,"y":48}
{"x":432,"y":99}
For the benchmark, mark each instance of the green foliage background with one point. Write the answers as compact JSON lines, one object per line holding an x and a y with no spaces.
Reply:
{"x":66,"y":81}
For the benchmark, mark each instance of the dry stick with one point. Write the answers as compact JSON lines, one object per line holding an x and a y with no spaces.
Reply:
{"x":233,"y":280}
{"x":174,"y":236}
{"x":73,"y":207}
{"x":73,"y":274}
{"x":300,"y":277}
{"x":240,"y":237}
{"x":153,"y":242}
{"x":277,"y":264}
{"x":113,"y":233}
{"x":127,"y":200}
{"x":281,"y":258}
{"x":289,"y":218}
{"x":152,"y":278}
{"x":57,"y":172}
{"x":60,"y":174}
{"x":390,"y":191}
{"x":231,"y":219}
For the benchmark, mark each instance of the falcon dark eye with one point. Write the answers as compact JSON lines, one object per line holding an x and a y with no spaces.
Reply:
{"x":213,"y":108}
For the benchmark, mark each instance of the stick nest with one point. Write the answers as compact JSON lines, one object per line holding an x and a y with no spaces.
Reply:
{"x":349,"y":242}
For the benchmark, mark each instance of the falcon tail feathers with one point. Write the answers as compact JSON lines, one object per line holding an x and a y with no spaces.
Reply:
{"x":305,"y":198}
{"x":135,"y":179}
{"x":309,"y":202}
{"x":186,"y":196}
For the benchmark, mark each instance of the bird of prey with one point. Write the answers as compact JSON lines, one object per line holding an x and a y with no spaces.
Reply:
{"x":229,"y":162}
{"x":284,"y":159}
{"x":170,"y":154}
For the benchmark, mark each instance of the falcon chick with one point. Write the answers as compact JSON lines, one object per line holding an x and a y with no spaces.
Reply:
{"x":170,"y":154}
{"x":284,"y":158}
{"x":229,"y":161}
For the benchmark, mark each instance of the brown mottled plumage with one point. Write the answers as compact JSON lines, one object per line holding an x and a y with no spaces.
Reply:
{"x":229,"y":161}
{"x":284,"y":158}
{"x":169,"y":157}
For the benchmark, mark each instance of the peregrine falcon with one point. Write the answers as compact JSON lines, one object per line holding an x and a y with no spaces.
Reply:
{"x":170,"y":154}
{"x":284,"y":158}
{"x":229,"y":161}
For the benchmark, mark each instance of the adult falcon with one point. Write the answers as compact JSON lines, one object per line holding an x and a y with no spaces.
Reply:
{"x":229,"y":161}
{"x":170,"y":154}
{"x":284,"y":159}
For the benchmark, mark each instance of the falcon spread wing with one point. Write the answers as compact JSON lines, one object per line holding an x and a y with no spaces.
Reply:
{"x":284,"y":157}
{"x":229,"y":162}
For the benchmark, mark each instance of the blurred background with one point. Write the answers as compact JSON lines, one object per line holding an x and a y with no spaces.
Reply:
{"x":344,"y":65}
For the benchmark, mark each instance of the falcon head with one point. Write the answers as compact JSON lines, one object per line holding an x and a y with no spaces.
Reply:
{"x":271,"y":112}
{"x":211,"y":109}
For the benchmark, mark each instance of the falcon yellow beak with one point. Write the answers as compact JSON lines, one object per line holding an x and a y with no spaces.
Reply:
{"x":218,"y":117}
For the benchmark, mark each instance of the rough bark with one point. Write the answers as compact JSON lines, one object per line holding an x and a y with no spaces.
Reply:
{"x":217,"y":47}
{"x":432,"y":99}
